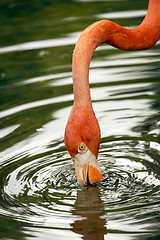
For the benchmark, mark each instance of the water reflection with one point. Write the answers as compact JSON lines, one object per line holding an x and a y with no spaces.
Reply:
{"x":89,"y":207}
{"x":39,"y":195}
{"x":13,"y":229}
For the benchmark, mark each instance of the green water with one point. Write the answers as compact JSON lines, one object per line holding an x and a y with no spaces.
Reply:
{"x":39,"y":194}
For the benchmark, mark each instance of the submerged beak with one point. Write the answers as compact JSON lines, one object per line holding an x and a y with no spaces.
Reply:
{"x":87,"y":168}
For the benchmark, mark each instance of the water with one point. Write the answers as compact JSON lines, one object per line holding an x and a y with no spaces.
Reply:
{"x":39,"y":194}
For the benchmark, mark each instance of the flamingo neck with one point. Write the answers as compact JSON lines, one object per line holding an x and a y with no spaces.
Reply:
{"x":142,"y":37}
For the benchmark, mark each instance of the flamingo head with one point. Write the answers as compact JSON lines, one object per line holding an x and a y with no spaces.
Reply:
{"x":82,"y":140}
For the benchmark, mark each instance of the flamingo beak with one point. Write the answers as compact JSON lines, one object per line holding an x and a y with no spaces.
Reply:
{"x":87,"y":168}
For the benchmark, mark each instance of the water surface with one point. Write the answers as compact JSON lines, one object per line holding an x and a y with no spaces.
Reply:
{"x":39,"y":194}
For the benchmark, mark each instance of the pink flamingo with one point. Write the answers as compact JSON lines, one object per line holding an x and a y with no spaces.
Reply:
{"x":82,"y":133}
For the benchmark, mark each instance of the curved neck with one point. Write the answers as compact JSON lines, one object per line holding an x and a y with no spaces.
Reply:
{"x":104,"y":31}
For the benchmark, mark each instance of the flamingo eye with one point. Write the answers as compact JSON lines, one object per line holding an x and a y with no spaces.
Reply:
{"x":82,"y":148}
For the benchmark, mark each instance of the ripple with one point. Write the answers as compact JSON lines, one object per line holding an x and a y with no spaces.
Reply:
{"x":139,"y":183}
{"x":39,"y":194}
{"x":39,"y":186}
{"x":6,"y":131}
{"x":69,"y":40}
{"x":35,"y":104}
{"x":47,"y":186}
{"x":123,"y":14}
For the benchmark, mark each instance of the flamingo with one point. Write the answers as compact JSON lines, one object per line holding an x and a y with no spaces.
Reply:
{"x":82,"y":133}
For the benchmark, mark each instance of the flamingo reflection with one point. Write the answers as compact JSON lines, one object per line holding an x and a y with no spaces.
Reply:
{"x":89,"y":207}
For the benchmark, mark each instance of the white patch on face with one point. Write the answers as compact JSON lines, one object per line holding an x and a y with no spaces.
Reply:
{"x":84,"y":158}
{"x":82,"y":161}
